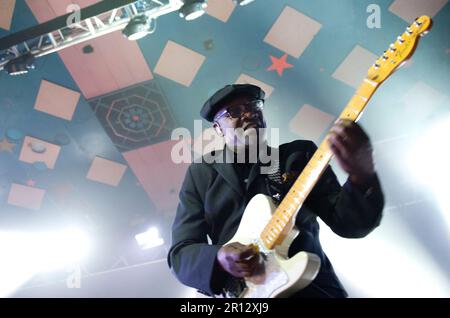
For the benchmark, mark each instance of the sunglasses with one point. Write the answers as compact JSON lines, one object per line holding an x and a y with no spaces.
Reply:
{"x":236,"y":111}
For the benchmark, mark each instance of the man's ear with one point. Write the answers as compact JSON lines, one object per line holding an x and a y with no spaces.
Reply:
{"x":218,"y":129}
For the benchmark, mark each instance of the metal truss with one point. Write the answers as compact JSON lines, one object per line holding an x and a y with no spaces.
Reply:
{"x":81,"y":26}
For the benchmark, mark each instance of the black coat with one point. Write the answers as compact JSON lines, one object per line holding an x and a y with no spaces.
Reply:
{"x":213,"y":199}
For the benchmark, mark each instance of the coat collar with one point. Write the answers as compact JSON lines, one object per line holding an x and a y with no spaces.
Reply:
{"x":227,"y":171}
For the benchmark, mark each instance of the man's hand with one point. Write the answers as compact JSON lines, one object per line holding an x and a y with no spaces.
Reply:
{"x":239,"y":260}
{"x":353,"y":151}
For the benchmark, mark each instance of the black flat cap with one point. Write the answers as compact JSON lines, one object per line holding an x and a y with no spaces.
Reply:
{"x":213,"y":104}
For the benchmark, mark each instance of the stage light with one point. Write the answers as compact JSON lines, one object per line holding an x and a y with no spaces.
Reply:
{"x":20,"y":65}
{"x":192,"y":9}
{"x":138,"y":27}
{"x":27,"y":254}
{"x":429,"y":162}
{"x":61,"y":249}
{"x":149,"y":239}
{"x":243,"y":2}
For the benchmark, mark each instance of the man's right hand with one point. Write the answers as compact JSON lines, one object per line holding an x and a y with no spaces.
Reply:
{"x":239,"y":260}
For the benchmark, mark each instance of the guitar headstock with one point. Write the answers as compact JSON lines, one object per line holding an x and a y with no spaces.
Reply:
{"x":400,"y":51}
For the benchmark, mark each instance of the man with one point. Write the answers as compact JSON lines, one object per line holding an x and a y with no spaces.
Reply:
{"x":214,"y":195}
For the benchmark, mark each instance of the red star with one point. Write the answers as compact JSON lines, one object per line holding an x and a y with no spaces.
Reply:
{"x":31,"y":183}
{"x":279,"y":64}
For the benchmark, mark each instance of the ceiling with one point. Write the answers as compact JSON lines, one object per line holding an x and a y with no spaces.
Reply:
{"x":86,"y":138}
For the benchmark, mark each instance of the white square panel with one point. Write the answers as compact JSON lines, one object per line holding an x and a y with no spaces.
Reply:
{"x":6,"y":13}
{"x":106,"y":171}
{"x":220,"y":9}
{"x":26,"y":197}
{"x":355,"y":66}
{"x":310,"y":122}
{"x":179,"y":63}
{"x":246,"y":79}
{"x":56,"y":100}
{"x":292,"y":32}
{"x":408,"y":10}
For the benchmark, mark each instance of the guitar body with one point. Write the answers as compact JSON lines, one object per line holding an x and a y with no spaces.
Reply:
{"x":281,"y":276}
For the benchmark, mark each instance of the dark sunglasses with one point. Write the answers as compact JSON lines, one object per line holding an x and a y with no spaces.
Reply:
{"x":236,"y":111}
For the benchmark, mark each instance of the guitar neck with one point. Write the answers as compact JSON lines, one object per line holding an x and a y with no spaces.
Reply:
{"x":283,"y":218}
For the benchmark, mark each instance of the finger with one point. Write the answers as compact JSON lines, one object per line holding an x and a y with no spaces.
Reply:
{"x":333,"y":147}
{"x":254,"y":263}
{"x":247,"y":252}
{"x":237,"y":271}
{"x":234,"y":250}
{"x":339,"y":157}
{"x":356,"y":133}
{"x":248,"y":264}
{"x":245,"y":270}
{"x":344,"y":121}
{"x":338,"y":145}
{"x":343,"y":135}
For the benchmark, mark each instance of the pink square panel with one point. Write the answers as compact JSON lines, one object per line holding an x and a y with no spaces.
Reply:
{"x":353,"y":68}
{"x":310,"y":122}
{"x":6,"y":13}
{"x":56,"y":100}
{"x":408,"y":10}
{"x":179,"y":63}
{"x":26,"y":197}
{"x":158,"y":173}
{"x":292,"y":32}
{"x":247,"y":79}
{"x":36,"y":150}
{"x":106,"y":171}
{"x":220,"y":9}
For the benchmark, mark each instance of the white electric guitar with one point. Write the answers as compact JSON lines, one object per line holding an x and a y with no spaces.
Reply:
{"x":271,"y":229}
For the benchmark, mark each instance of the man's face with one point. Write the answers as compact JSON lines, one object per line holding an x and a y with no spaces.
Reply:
{"x":239,"y":121}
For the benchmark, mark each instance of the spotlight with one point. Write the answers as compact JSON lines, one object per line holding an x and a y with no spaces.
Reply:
{"x":20,"y":65}
{"x":243,"y":2}
{"x":149,"y":239}
{"x":192,"y":9}
{"x":137,"y":28}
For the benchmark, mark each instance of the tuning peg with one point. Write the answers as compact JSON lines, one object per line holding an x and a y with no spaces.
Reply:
{"x":384,"y":57}
{"x":424,"y":33}
{"x":400,"y":40}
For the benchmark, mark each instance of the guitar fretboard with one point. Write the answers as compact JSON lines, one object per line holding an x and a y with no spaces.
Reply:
{"x":282,"y":220}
